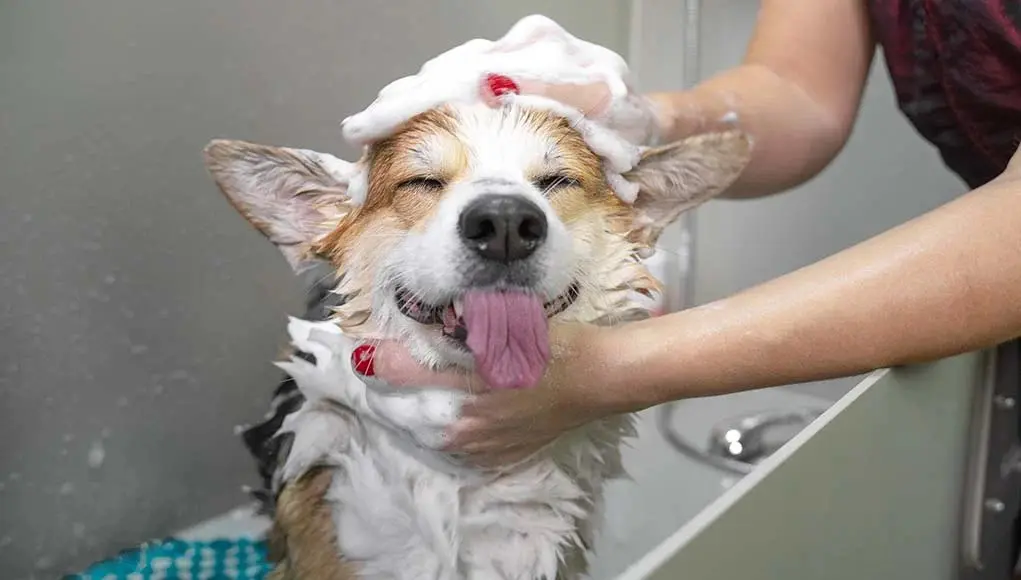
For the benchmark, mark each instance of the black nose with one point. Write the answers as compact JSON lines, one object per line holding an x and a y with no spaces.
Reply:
{"x":503,"y":227}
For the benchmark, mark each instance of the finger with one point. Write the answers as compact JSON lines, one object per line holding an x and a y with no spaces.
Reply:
{"x":391,"y":363}
{"x":498,"y":409}
{"x":467,"y":434}
{"x":592,"y":99}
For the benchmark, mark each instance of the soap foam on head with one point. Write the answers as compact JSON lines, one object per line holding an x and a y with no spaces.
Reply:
{"x":536,"y":49}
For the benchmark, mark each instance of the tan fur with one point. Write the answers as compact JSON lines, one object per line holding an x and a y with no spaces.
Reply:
{"x":303,"y":542}
{"x":722,"y":157}
{"x":361,"y":238}
{"x":306,"y":541}
{"x":611,"y":232}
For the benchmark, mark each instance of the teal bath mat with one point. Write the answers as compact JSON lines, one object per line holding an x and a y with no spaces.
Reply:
{"x":180,"y":560}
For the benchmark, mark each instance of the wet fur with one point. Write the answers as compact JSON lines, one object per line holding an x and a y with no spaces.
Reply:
{"x":536,"y":520}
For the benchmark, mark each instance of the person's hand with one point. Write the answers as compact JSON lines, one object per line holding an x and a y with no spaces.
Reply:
{"x":501,"y":427}
{"x":638,"y":118}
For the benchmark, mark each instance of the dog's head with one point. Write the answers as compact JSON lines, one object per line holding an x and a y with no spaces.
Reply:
{"x":475,"y":220}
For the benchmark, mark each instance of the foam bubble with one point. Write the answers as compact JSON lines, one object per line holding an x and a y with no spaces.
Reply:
{"x":535,"y":49}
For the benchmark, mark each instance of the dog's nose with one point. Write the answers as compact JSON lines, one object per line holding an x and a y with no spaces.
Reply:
{"x":503,"y":228}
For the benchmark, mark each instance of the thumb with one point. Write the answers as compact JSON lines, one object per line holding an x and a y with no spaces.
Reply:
{"x":592,"y":99}
{"x":392,"y":363}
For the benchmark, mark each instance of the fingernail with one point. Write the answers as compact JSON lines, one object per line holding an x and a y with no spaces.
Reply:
{"x":494,"y":87}
{"x":363,"y":360}
{"x":500,"y":85}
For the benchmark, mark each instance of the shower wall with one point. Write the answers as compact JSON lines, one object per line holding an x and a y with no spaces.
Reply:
{"x":138,"y":312}
{"x":885,"y":176}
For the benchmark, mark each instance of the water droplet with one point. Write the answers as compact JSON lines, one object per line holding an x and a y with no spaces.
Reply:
{"x":78,"y":529}
{"x":26,"y":219}
{"x":105,"y":432}
{"x":6,"y":541}
{"x":44,"y":563}
{"x":15,"y":476}
{"x":68,"y":438}
{"x":66,"y":489}
{"x":109,"y":279}
{"x":157,"y":389}
{"x":122,"y":402}
{"x":138,"y":349}
{"x":96,"y":456}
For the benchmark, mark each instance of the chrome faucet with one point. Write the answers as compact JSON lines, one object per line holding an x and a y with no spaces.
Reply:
{"x":751,"y":438}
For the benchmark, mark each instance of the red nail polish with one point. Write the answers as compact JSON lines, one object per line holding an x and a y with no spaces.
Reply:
{"x":499,"y":85}
{"x":363,"y":360}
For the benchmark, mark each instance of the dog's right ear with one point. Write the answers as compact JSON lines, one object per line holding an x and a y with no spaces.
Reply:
{"x":292,"y":196}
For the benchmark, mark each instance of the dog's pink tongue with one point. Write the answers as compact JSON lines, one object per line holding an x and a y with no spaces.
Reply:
{"x":508,"y":334}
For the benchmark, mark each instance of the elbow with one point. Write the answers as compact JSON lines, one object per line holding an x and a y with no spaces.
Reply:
{"x":804,"y":136}
{"x":826,"y":141}
{"x":825,"y":127}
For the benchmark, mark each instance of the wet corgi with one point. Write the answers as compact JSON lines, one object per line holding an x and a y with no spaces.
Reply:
{"x":474,"y":217}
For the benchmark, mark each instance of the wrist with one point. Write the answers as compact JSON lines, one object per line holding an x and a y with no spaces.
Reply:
{"x":669,"y":124}
{"x":615,"y":366}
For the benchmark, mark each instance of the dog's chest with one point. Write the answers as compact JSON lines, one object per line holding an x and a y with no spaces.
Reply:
{"x":402,"y":509}
{"x":400,"y":517}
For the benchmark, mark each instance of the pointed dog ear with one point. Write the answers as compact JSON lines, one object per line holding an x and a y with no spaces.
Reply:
{"x":675,"y":178}
{"x":292,"y":196}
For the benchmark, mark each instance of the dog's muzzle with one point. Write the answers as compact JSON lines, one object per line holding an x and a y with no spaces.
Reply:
{"x":503,"y":228}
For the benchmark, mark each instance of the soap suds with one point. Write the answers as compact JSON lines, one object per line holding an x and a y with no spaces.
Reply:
{"x":535,"y":49}
{"x":96,"y":455}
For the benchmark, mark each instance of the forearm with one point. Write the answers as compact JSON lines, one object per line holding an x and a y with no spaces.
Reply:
{"x":794,"y":137}
{"x":797,"y":92}
{"x":946,"y":283}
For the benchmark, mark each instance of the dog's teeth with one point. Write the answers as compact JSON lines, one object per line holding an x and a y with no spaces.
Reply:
{"x":458,"y":307}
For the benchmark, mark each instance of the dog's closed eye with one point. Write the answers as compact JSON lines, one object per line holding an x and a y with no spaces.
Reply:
{"x":554,"y":182}
{"x":422,"y":182}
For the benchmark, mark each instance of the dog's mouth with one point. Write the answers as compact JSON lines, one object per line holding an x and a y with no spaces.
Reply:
{"x":450,"y":315}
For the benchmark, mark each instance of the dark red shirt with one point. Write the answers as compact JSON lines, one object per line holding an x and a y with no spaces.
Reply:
{"x":956,"y":69}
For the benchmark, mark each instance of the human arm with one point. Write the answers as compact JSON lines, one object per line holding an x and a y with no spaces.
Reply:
{"x":797,"y":92}
{"x":945,"y":283}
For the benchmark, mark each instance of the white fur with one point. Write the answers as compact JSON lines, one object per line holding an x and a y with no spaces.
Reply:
{"x":432,"y":263}
{"x":535,"y":48}
{"x":402,"y":510}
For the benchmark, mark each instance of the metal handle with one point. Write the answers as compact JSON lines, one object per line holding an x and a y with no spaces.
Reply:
{"x":737,"y":445}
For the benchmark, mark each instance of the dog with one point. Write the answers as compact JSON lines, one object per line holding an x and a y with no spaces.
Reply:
{"x":506,"y":204}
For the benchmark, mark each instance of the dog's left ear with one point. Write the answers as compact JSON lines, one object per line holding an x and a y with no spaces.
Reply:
{"x":675,"y":178}
{"x":293,"y":196}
